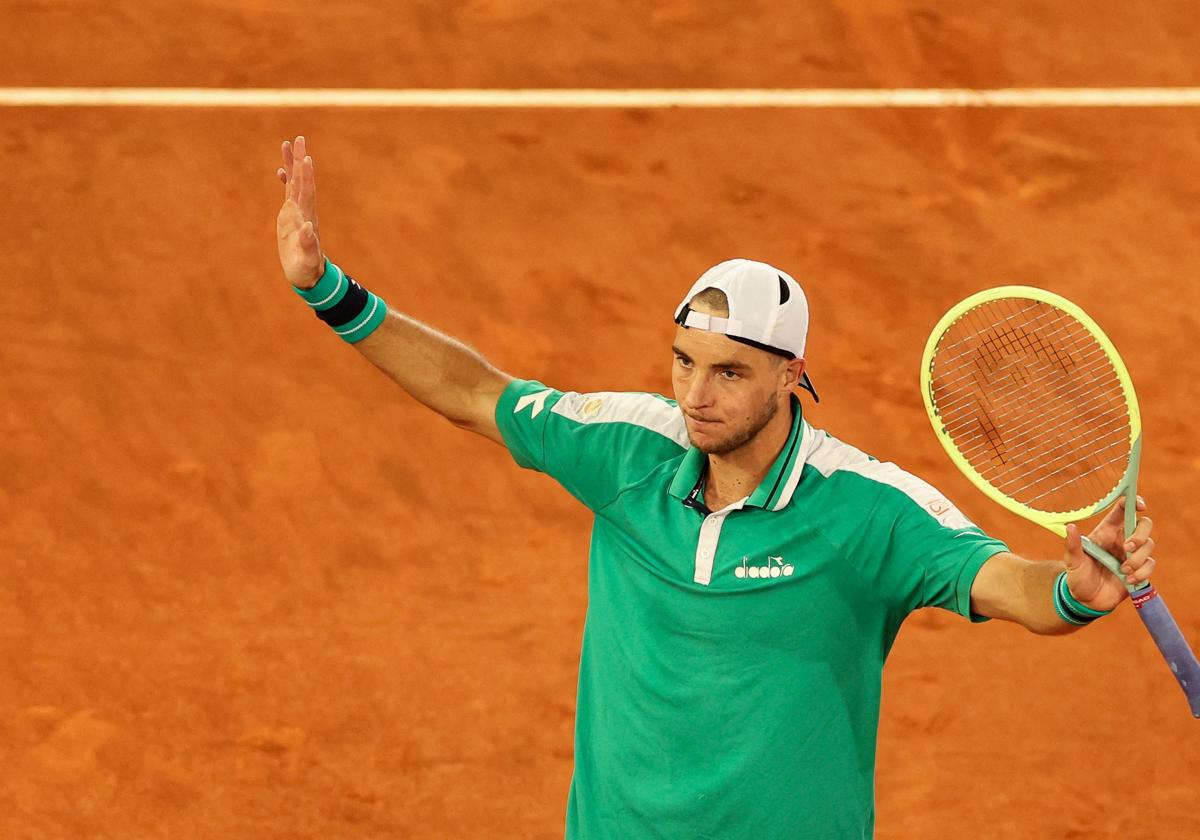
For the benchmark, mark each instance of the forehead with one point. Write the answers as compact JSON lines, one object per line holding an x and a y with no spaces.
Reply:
{"x":710,"y":348}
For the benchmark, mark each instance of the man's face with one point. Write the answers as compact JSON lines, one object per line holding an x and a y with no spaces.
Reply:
{"x":726,"y":390}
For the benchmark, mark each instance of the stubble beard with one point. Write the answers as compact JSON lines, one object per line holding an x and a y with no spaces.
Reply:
{"x":741,"y":437}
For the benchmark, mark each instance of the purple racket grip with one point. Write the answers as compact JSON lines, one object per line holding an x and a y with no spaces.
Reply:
{"x":1174,"y":647}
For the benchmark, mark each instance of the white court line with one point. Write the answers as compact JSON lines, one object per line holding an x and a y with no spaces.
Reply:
{"x":600,"y":98}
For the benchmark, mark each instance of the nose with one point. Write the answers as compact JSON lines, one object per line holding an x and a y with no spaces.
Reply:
{"x":698,"y":393}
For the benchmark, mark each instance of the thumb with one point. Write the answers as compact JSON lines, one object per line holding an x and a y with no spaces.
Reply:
{"x":1075,"y":558}
{"x":309,"y":241}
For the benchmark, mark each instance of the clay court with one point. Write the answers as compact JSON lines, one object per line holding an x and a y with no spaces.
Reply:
{"x":251,"y":589}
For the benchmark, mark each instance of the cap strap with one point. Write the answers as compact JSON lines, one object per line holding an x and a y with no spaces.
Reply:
{"x":711,"y":323}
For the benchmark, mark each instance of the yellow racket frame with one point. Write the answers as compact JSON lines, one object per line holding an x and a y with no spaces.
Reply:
{"x":1053,"y":521}
{"x":1149,"y":604}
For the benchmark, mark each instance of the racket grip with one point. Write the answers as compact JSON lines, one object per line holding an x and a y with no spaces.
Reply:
{"x":1171,"y":643}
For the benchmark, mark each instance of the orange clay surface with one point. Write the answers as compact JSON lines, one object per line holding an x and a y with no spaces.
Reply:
{"x":251,"y":590}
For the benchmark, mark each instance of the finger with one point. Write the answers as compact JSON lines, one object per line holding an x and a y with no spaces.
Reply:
{"x":1138,"y":558}
{"x":298,"y":179}
{"x":308,"y":237}
{"x":308,"y":191}
{"x":299,"y":151}
{"x":281,"y":174}
{"x":289,"y":162}
{"x":1116,"y":514}
{"x":1143,"y":574}
{"x":1141,"y":533}
{"x":1140,"y":506}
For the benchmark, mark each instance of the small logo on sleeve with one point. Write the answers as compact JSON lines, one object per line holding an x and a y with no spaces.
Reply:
{"x":939,"y":506}
{"x":947,"y":514}
{"x":774,"y":568}
{"x":538,"y":401}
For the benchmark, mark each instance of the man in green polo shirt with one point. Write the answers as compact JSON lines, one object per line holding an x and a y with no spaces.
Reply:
{"x":748,"y":573}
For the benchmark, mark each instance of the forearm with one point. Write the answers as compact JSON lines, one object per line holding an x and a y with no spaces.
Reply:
{"x":437,"y":370}
{"x":1014,"y":589}
{"x":1039,"y":615}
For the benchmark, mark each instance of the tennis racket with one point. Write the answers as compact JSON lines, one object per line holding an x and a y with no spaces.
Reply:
{"x":1032,"y":402}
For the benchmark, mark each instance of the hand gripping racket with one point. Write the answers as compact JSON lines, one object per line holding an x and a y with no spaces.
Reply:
{"x":1031,"y":401}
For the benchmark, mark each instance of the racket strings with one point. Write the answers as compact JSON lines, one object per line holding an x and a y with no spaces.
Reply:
{"x":994,"y":352}
{"x":1117,"y":459}
{"x":1019,"y":433}
{"x":1032,"y":401}
{"x":1025,"y":316}
{"x":1049,"y":336}
{"x":997,"y":473}
{"x":1007,"y":393}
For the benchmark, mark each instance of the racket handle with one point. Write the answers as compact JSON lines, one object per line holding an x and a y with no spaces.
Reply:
{"x":1171,"y":643}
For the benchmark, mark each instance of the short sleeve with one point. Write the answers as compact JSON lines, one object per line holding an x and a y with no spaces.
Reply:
{"x":932,"y":552}
{"x":593,"y":444}
{"x":949,"y":555}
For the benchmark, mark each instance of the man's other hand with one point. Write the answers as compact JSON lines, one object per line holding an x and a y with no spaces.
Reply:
{"x":297,"y":232}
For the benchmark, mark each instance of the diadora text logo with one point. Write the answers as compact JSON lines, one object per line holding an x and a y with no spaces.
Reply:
{"x":775,"y":568}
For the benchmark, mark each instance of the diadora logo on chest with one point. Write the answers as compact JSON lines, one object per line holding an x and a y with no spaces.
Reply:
{"x":774,"y":568}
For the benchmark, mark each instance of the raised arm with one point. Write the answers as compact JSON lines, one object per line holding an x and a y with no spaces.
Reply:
{"x":437,"y":370}
{"x":1014,"y":589}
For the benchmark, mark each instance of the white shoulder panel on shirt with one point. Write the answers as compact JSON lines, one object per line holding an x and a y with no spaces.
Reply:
{"x":645,"y":410}
{"x":829,"y":455}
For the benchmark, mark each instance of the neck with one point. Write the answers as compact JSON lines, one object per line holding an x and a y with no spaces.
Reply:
{"x":736,"y":474}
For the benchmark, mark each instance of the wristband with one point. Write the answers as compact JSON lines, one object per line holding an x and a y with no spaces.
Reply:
{"x":1069,"y":609}
{"x":339,"y":301}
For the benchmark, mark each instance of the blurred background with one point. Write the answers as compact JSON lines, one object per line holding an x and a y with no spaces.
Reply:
{"x":251,"y":589}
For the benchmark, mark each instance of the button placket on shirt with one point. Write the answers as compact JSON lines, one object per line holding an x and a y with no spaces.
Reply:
{"x":706,"y":546}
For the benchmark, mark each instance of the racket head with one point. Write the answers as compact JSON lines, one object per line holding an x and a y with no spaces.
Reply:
{"x":1054,"y":446}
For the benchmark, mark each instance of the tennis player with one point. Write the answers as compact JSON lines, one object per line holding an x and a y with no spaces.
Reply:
{"x":748,"y":572}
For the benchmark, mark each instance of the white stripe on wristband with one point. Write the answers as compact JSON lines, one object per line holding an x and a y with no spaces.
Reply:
{"x":340,"y":294}
{"x":338,"y":289}
{"x":348,"y":332}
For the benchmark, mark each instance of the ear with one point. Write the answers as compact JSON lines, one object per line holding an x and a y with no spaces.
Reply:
{"x":795,"y":369}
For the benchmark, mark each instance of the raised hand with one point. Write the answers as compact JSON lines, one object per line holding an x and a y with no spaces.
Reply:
{"x":297,"y":232}
{"x":1091,"y":583}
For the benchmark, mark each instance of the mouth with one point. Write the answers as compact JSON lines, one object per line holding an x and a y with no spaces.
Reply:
{"x":702,"y":422}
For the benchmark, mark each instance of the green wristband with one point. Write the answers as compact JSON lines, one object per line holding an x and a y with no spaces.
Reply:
{"x":341,"y":302}
{"x":1061,"y":609}
{"x":1068,"y":606}
{"x":367,"y":321}
{"x":328,"y":290}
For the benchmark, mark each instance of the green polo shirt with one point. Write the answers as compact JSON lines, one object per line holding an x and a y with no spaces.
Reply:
{"x":729,"y":681}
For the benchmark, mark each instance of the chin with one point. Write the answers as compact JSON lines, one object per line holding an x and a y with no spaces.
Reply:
{"x":699,"y":439}
{"x":710,"y":445}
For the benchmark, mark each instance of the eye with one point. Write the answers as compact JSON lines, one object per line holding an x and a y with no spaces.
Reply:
{"x":730,"y":375}
{"x":687,"y":363}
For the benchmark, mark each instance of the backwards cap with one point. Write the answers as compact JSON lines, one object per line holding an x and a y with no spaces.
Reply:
{"x":767,"y":309}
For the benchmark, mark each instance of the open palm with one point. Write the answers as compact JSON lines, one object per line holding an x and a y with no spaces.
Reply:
{"x":297,"y":232}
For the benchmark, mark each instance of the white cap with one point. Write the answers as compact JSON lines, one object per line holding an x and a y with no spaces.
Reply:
{"x":767,"y":309}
